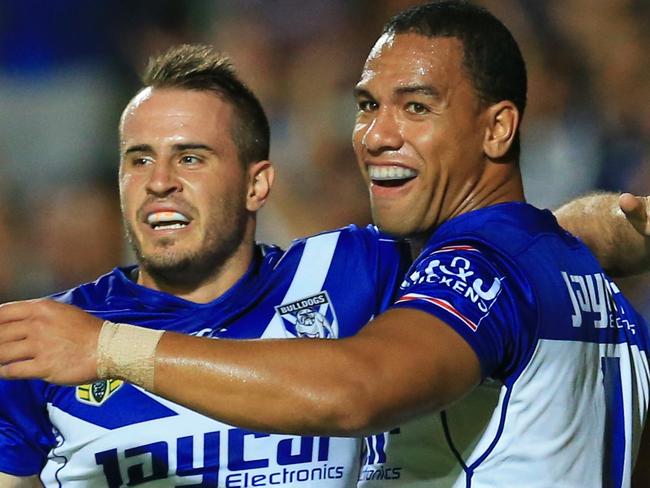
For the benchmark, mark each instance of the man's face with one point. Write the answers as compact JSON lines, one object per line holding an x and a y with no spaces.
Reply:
{"x":419,"y":132}
{"x":182,"y":186}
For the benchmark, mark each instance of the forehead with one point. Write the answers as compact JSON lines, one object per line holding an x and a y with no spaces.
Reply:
{"x":404,"y":59}
{"x":174,"y":111}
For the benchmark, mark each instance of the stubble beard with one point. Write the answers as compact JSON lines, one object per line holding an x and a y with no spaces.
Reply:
{"x":191,"y":268}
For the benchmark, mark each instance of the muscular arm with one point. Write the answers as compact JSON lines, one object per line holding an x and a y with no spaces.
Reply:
{"x":404,"y":363}
{"x":615,"y":228}
{"x":9,"y":481}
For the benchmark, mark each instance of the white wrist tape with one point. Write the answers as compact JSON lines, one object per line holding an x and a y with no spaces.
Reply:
{"x":127,"y":352}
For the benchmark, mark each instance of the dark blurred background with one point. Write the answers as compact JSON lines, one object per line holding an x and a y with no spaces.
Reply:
{"x":68,"y":67}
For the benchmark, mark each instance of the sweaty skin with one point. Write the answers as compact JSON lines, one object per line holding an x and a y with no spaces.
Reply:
{"x":420,"y":112}
{"x":347,"y":390}
{"x":414,"y":120}
{"x":622,"y":245}
{"x":176,"y":156}
{"x":238,"y":380}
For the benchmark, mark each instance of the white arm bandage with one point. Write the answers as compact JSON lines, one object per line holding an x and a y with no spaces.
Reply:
{"x":127,"y":352}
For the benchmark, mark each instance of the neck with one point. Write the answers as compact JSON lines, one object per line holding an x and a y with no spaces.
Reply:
{"x":205,"y":287}
{"x":499,"y":183}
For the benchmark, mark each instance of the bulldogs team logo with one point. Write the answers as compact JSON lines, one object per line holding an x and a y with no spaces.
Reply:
{"x":98,"y":392}
{"x":312,"y":316}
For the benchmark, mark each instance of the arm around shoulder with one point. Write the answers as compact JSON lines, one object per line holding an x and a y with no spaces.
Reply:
{"x":404,"y":363}
{"x":615,"y":228}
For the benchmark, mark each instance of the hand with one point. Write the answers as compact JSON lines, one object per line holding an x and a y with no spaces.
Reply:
{"x":48,"y":340}
{"x":637,"y":212}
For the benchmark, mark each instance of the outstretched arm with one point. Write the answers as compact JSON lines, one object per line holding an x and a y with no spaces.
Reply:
{"x":403,"y":364}
{"x":616,"y":229}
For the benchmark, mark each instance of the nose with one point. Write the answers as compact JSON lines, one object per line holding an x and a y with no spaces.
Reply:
{"x":163,"y":179}
{"x":383,"y":133}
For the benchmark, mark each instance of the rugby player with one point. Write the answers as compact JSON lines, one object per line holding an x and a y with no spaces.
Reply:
{"x":506,"y":326}
{"x":194,"y":170}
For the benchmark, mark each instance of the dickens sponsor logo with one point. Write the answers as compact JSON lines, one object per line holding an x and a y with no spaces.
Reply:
{"x":458,"y":275}
{"x":312,"y":316}
{"x":97,"y":393}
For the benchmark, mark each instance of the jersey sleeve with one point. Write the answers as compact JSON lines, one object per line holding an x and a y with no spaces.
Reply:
{"x":470,"y":291}
{"x":26,"y":435}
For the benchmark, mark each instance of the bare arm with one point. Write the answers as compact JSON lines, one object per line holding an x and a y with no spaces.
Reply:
{"x":9,"y":481}
{"x":406,"y":362}
{"x":616,"y":228}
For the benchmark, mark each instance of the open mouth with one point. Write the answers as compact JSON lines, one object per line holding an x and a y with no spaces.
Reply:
{"x":167,"y":220}
{"x":390,"y":176}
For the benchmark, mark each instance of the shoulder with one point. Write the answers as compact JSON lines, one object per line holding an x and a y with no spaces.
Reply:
{"x":509,"y":228}
{"x":95,"y":292}
{"x":464,"y":269}
{"x":369,"y":234}
{"x":349,"y":240}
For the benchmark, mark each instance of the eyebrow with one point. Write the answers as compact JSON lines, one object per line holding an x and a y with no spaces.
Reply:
{"x":138,"y":148}
{"x":143,"y":148}
{"x":361,"y":92}
{"x":426,"y":90}
{"x":191,"y":146}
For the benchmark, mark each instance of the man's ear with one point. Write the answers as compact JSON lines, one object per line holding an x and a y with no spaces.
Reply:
{"x":500,"y":133}
{"x":260,"y":180}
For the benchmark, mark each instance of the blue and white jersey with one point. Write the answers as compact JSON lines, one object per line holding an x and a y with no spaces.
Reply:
{"x":564,"y":361}
{"x":111,"y":434}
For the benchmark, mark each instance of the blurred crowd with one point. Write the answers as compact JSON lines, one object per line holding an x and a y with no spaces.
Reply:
{"x":68,"y":67}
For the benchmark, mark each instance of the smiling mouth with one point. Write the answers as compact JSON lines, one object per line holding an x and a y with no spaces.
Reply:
{"x":390,"y":176}
{"x":167,"y":220}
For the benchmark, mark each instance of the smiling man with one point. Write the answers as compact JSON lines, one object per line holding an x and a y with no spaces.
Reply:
{"x":509,"y":358}
{"x":193,"y":172}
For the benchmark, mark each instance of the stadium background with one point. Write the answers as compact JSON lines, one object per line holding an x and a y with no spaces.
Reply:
{"x":67,"y":68}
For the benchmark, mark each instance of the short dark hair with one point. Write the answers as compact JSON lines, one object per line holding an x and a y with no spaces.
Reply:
{"x":491,"y":55}
{"x":198,"y":67}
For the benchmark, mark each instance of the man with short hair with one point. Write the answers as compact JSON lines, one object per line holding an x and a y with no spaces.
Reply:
{"x":194,"y":170}
{"x":505,"y":326}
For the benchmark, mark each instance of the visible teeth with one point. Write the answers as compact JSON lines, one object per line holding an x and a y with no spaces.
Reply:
{"x":159,"y":218}
{"x":169,"y":226}
{"x":390,"y":173}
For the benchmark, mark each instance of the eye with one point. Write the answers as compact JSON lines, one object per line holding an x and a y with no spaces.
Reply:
{"x":141,"y":160}
{"x":366,"y":105}
{"x":189,"y":159}
{"x":417,"y":108}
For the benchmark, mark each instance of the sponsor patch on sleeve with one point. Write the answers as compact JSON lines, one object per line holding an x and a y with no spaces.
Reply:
{"x":456,"y":279}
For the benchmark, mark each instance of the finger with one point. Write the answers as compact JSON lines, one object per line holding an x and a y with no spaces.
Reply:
{"x":12,"y":352}
{"x":632,"y":205}
{"x":13,"y":332}
{"x":13,"y":311}
{"x":20,"y":370}
{"x":636,"y":211}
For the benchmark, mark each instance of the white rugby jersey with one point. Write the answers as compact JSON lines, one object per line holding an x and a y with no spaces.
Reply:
{"x":563,"y":356}
{"x":113,"y":434}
